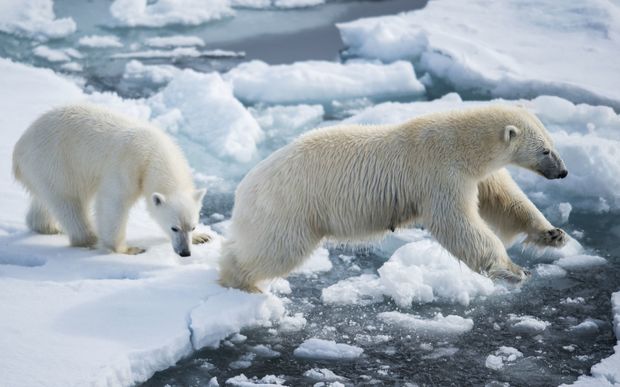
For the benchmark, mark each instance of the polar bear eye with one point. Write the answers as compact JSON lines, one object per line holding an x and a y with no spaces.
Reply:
{"x":546,"y":152}
{"x":175,"y":229}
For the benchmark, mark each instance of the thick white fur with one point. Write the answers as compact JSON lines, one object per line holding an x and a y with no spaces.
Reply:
{"x":74,"y":154}
{"x":355,"y":182}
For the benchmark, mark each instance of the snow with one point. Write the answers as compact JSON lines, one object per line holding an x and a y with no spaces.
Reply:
{"x":437,"y":326}
{"x":266,"y":381}
{"x":587,"y":137}
{"x":87,"y":318}
{"x":175,"y":41}
{"x":502,"y":356}
{"x":100,"y":41}
{"x":499,"y":49}
{"x":51,"y":54}
{"x":134,"y":13}
{"x":34,"y":19}
{"x":327,"y":349}
{"x":320,"y":81}
{"x":420,"y":271}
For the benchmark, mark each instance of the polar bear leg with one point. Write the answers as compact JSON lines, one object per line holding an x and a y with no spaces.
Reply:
{"x":460,"y":229}
{"x":72,"y":214}
{"x":112,"y":211}
{"x":505,"y":207}
{"x":40,"y":220}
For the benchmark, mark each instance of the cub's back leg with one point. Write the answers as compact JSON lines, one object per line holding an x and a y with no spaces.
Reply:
{"x":72,"y":214}
{"x":39,"y":218}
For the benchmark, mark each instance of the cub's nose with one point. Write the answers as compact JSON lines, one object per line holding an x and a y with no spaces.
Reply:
{"x":185,"y":253}
{"x":563,"y":173}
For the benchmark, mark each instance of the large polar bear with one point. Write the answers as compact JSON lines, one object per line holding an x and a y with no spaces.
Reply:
{"x":75,"y":153}
{"x":349,"y":182}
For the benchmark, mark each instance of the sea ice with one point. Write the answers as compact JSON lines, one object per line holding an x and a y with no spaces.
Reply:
{"x":135,"y":13}
{"x":321,"y":82}
{"x":100,"y":41}
{"x":326,"y":349}
{"x":439,"y":325}
{"x":34,"y":19}
{"x":499,"y":49}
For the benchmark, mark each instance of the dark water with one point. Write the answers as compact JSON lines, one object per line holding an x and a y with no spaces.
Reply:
{"x":431,"y":361}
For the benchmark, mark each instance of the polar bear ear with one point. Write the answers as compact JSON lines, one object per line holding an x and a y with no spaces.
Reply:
{"x":158,"y":199}
{"x":199,"y":194}
{"x":510,"y":132}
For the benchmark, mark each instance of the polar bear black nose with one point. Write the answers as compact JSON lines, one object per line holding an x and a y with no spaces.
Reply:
{"x":185,"y":253}
{"x":563,"y":173}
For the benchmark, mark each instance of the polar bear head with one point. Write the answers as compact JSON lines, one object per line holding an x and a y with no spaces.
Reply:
{"x":531,"y":146}
{"x":177,"y":214}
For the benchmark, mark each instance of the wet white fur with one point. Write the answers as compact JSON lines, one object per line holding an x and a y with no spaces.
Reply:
{"x":355,"y":182}
{"x":74,"y":154}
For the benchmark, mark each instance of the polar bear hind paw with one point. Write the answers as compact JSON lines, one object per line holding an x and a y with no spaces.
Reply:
{"x":199,"y":238}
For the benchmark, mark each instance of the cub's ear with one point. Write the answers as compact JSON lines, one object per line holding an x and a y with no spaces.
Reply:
{"x":510,"y":132}
{"x":158,"y":199}
{"x":199,"y":194}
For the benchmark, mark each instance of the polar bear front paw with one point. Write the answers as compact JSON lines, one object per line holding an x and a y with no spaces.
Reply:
{"x":556,"y":237}
{"x":198,"y":238}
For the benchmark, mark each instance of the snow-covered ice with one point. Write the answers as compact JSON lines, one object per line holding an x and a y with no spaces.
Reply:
{"x":327,"y":349}
{"x":503,"y":49}
{"x":134,"y":315}
{"x":321,"y":82}
{"x":34,"y":19}
{"x":527,"y":324}
{"x":100,"y":41}
{"x":175,"y":41}
{"x":166,"y":12}
{"x":501,"y":357}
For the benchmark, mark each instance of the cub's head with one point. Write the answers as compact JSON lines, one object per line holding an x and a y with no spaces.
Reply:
{"x":530,"y":146}
{"x":177,"y":215}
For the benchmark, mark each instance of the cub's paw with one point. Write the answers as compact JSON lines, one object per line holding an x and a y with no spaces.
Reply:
{"x":556,"y":237}
{"x":511,"y":273}
{"x":198,"y":238}
{"x":133,"y":250}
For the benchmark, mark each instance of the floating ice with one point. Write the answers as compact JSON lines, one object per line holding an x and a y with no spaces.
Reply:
{"x":34,"y":19}
{"x":275,"y":3}
{"x":99,"y":41}
{"x":50,"y":54}
{"x":326,"y":349}
{"x":266,"y":381}
{"x":322,"y":82}
{"x":420,"y":271}
{"x":527,"y":324}
{"x":175,"y":41}
{"x":178,"y":52}
{"x":318,"y":261}
{"x":134,"y":13}
{"x":575,"y":262}
{"x":323,"y":375}
{"x":462,"y":46}
{"x":502,"y":356}
{"x":437,"y":326}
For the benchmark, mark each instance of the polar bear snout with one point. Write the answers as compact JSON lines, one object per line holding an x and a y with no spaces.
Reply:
{"x":552,"y":166}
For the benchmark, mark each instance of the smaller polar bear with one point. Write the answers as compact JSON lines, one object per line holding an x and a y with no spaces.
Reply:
{"x":350,"y":182}
{"x":73,"y":154}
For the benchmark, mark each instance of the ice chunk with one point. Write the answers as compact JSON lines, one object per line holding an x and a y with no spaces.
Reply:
{"x":575,"y":262}
{"x":179,"y":52}
{"x":458,"y":43}
{"x":322,"y":82}
{"x":100,"y":41}
{"x":292,"y":323}
{"x":317,"y":262}
{"x":502,"y":356}
{"x":323,"y":375}
{"x":210,"y":115}
{"x":437,"y":326}
{"x":527,"y":324}
{"x":553,"y":271}
{"x":34,"y":19}
{"x":266,"y":381}
{"x":50,"y":54}
{"x":420,"y":271}
{"x":326,"y":349}
{"x":275,"y":3}
{"x":175,"y":41}
{"x":165,"y":12}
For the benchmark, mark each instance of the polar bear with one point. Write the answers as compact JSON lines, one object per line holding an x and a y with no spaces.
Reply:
{"x":73,"y":154}
{"x":351,"y":182}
